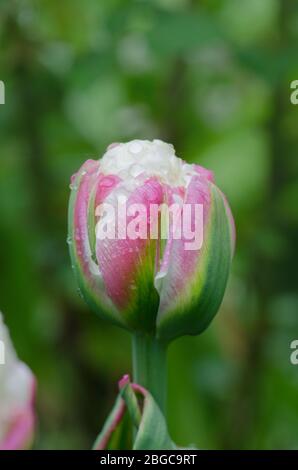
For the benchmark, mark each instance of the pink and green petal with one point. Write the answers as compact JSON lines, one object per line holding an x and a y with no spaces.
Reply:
{"x":86,"y":269}
{"x":128,"y":266}
{"x":194,"y":283}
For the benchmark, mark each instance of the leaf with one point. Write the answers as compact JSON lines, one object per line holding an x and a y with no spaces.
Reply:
{"x":116,"y":433}
{"x":152,"y":433}
{"x":147,"y":418}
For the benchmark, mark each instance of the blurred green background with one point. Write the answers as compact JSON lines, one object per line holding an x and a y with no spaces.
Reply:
{"x":213,"y":78}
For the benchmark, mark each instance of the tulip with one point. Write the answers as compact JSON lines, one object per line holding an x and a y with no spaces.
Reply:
{"x":158,"y":287}
{"x":17,"y":386}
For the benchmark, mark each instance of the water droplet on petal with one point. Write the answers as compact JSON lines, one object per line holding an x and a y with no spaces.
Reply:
{"x":107,"y":181}
{"x":72,"y":178}
{"x":135,"y":147}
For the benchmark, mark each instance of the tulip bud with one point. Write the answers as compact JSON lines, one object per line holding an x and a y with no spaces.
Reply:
{"x":17,"y":386}
{"x":148,"y":279}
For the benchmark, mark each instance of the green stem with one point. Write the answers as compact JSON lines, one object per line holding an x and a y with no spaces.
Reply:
{"x":149,"y":366}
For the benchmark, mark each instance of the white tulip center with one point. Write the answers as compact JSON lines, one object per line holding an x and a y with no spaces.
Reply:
{"x":142,"y":159}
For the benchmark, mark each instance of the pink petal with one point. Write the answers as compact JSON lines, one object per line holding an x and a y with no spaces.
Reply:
{"x":208,"y":174}
{"x":119,"y":259}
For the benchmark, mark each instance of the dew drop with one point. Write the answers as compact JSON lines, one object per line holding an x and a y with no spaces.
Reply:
{"x":107,"y":182}
{"x":135,"y":148}
{"x":77,"y":235}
